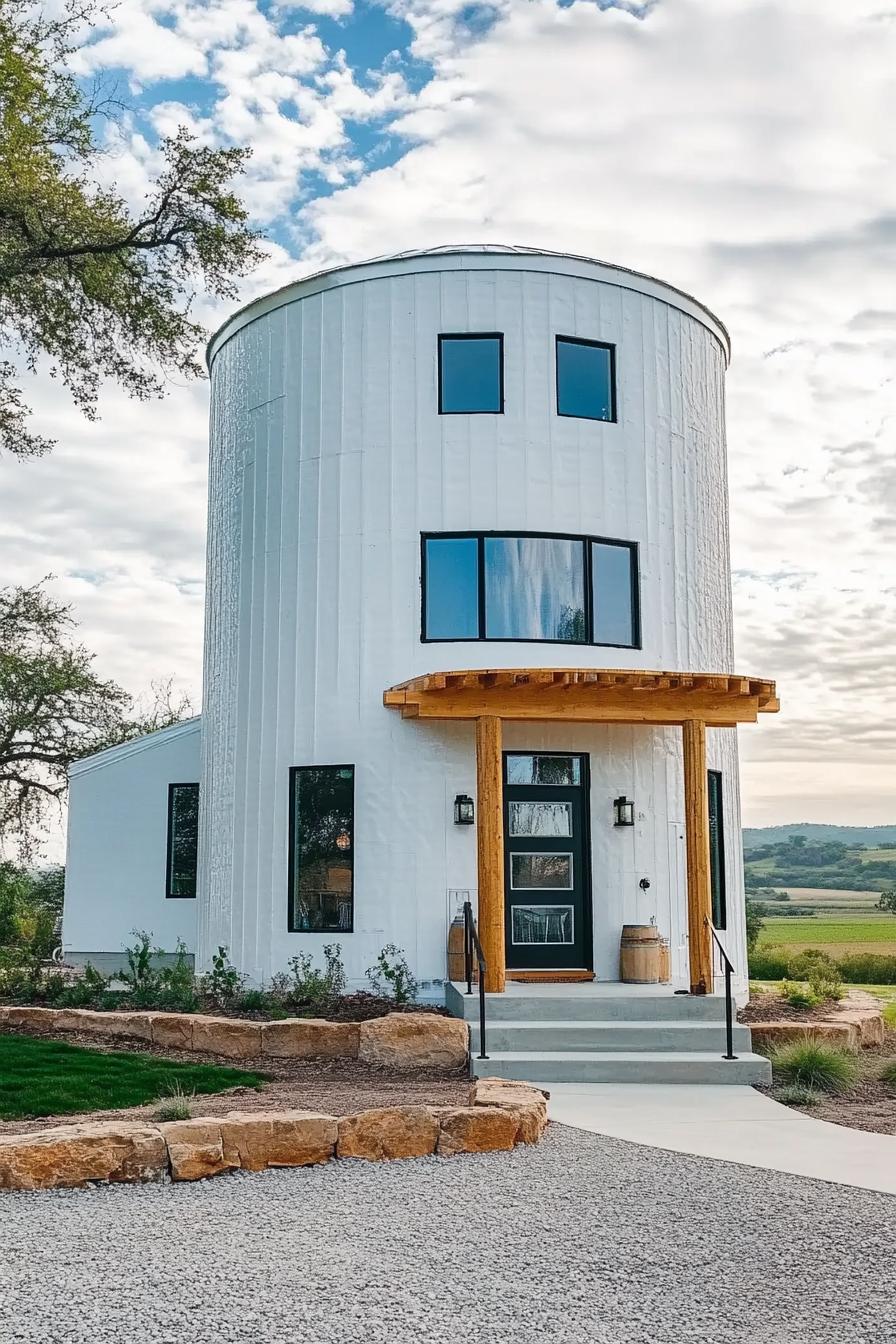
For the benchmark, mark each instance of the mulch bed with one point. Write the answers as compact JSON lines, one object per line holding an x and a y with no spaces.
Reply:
{"x":334,"y":1086}
{"x":869,"y":1104}
{"x":768,"y":1007}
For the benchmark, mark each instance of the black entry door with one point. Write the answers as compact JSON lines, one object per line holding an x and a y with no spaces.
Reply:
{"x":546,"y":882}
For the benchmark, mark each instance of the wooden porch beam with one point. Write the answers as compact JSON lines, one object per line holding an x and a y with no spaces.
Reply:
{"x":490,"y":849}
{"x":696,"y":825}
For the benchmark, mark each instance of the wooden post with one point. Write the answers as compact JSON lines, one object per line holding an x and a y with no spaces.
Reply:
{"x":490,"y":849}
{"x":696,"y":823}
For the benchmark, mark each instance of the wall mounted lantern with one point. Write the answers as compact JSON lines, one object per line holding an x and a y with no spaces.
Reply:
{"x":623,"y":811}
{"x":463,"y":810}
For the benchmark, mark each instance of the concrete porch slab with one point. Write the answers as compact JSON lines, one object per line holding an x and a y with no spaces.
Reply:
{"x":731,"y":1124}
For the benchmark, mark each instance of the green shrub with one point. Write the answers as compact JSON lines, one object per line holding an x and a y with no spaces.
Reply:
{"x":813,"y":962}
{"x":868,"y":968}
{"x":391,"y":975}
{"x":795,"y":1094}
{"x":307,"y":986}
{"x":824,"y":989}
{"x":150,"y":985}
{"x":224,"y":982}
{"x":755,"y":914}
{"x":811,"y":1064}
{"x":769,"y":963}
{"x":888,"y":1073}
{"x":797,"y":995}
{"x":254,"y":1001}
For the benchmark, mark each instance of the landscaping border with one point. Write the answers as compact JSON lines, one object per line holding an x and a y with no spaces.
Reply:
{"x":401,"y":1041}
{"x":502,"y":1113}
{"x":855,"y":1022}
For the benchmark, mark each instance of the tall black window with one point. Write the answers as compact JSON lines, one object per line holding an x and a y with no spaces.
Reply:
{"x":471,"y":374}
{"x":518,"y":586}
{"x":586,"y":379}
{"x":717,"y":850}
{"x":183,"y":840}
{"x":321,"y":848}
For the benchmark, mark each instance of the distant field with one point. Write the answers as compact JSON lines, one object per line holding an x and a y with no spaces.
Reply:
{"x":823,"y":896}
{"x":838,"y":936}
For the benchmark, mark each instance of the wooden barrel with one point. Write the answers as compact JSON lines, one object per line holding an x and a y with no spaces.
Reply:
{"x":456,"y":948}
{"x":639,"y":955}
{"x":665,"y":962}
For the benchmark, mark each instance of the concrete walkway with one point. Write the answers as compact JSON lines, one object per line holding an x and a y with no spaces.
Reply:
{"x":734,"y":1124}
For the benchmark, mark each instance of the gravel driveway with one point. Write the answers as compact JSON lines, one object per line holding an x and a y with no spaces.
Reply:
{"x":583,"y":1238}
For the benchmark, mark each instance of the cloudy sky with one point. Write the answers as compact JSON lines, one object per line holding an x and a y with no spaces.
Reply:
{"x":741,"y":149}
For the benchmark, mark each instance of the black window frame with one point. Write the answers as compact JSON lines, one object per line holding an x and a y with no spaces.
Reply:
{"x":586,"y":540}
{"x":717,"y":883}
{"x":473,"y":336}
{"x":169,"y":848}
{"x":612,"y":419}
{"x":291,"y":860}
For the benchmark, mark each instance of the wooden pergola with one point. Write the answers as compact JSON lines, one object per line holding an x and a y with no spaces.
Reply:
{"x":689,"y":700}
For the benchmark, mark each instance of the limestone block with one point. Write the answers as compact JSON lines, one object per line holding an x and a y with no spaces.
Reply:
{"x":73,"y":1155}
{"x":476,"y":1129}
{"x":388,"y":1132}
{"x":195,"y":1149}
{"x":310,"y":1038}
{"x":254,"y":1140}
{"x":414,"y":1041}
{"x":227,"y":1036}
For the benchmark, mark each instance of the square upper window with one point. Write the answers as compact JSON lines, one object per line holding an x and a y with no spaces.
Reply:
{"x":471,"y":375}
{"x":586,"y":379}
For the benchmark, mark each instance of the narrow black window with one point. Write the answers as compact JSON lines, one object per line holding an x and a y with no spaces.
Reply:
{"x":471,"y":374}
{"x":717,"y":850}
{"x":183,"y":840}
{"x":540,"y":589}
{"x":586,"y":379}
{"x":321,"y":848}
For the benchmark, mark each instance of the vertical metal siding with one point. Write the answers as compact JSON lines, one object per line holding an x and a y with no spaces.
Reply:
{"x":328,"y":460}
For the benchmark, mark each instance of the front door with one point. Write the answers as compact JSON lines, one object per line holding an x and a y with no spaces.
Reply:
{"x":547,"y":888}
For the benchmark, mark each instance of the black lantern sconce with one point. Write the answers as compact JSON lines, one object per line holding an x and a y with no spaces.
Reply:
{"x":623,"y":811}
{"x":463,"y":810}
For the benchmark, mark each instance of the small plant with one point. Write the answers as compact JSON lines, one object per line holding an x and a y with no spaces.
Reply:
{"x":798,"y":995}
{"x":795,"y":1094}
{"x":307,"y":985}
{"x":888,"y":1074}
{"x":824,"y":988}
{"x":252,"y":1001}
{"x":224,"y":982}
{"x":140,"y":955}
{"x":175,"y":1105}
{"x":822,"y":1068}
{"x":391,"y":975}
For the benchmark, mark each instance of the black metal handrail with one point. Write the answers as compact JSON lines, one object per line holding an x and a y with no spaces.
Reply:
{"x":729,"y":1002}
{"x":471,"y":942}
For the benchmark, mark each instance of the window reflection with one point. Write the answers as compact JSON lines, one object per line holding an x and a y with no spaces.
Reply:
{"x":531,"y":769}
{"x":470,"y":375}
{"x":534,"y":589}
{"x":585,"y":378}
{"x":183,"y":839}
{"x":541,"y":872}
{"x":612,"y":583}
{"x":541,"y":819}
{"x":322,"y":848}
{"x":542,"y":924}
{"x":452,"y":588}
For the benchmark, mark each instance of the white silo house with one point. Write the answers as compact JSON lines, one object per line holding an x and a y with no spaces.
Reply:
{"x":468,"y":636}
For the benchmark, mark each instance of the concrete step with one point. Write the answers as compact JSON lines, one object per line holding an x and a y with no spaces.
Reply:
{"x":622,"y":1066}
{"x":585,"y":1003}
{"x":661,"y":1035}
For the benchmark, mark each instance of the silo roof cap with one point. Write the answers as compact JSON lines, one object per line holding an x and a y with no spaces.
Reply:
{"x":470,"y":256}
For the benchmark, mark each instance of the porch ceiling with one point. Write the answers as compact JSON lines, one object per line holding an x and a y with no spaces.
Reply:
{"x":585,"y":695}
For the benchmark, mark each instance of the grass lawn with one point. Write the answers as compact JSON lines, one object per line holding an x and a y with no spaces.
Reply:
{"x":39,"y":1077}
{"x":837,"y":936}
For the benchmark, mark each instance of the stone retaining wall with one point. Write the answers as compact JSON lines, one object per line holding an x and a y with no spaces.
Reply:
{"x":399,"y":1040}
{"x":501,"y":1114}
{"x":855,"y":1022}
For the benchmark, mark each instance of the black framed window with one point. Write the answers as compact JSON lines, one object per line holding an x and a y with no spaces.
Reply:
{"x":321,"y":848}
{"x":586,"y":379}
{"x":183,"y":841}
{"x":717,"y":849}
{"x":471,"y":374}
{"x":540,"y":588}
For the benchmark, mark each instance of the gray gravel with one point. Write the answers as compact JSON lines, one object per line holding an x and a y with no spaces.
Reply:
{"x":583,"y":1238}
